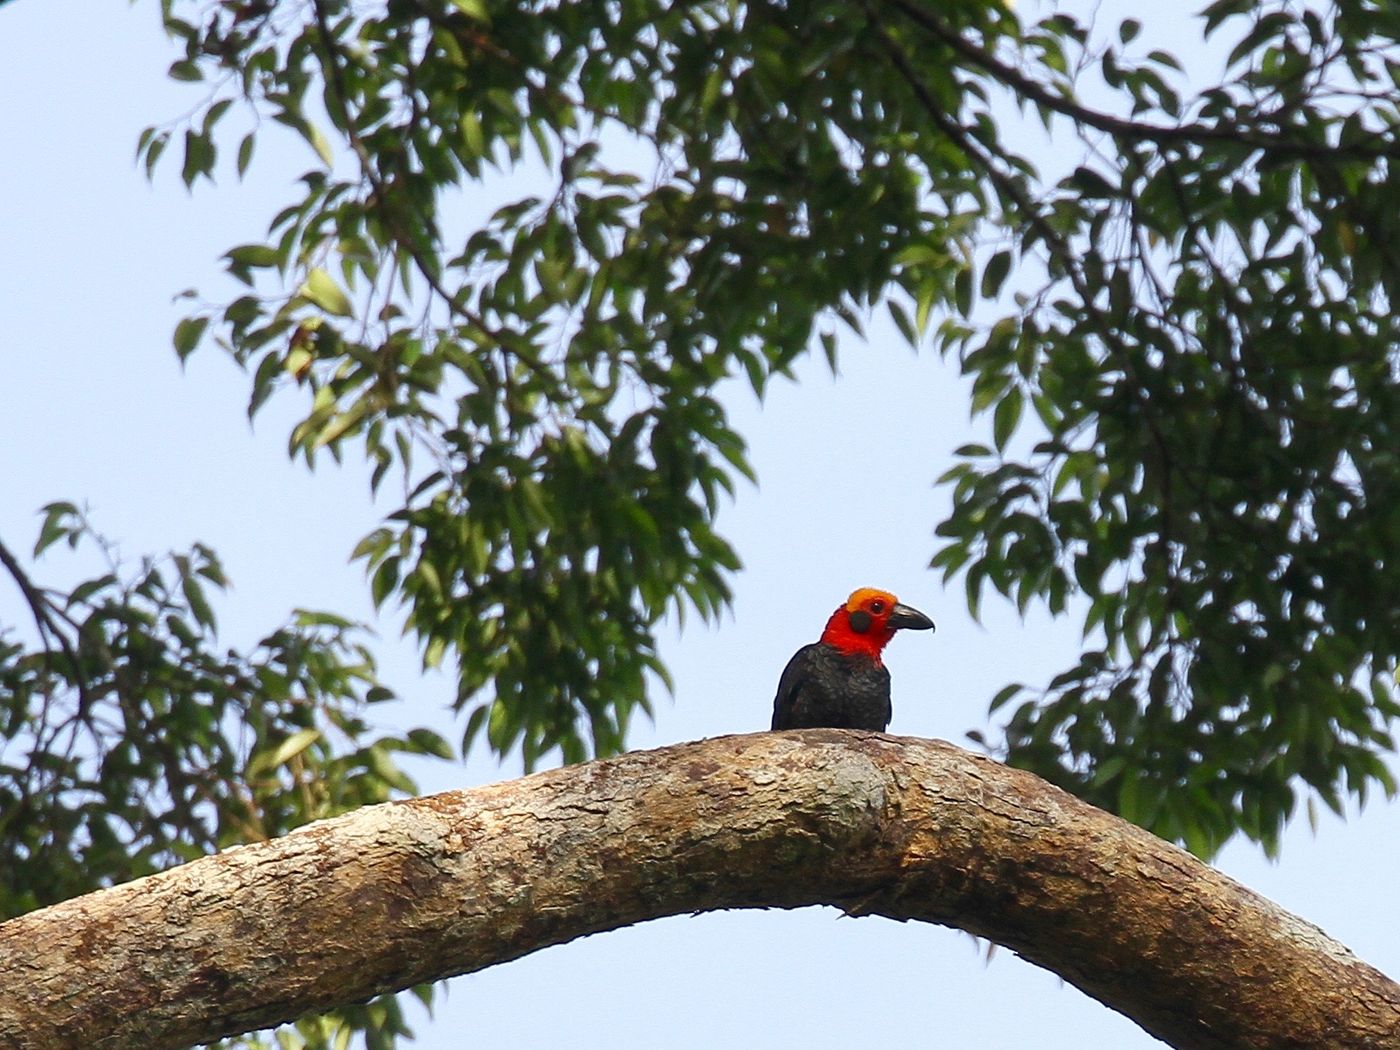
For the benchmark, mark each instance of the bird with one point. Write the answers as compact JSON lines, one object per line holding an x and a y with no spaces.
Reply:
{"x":839,"y":682}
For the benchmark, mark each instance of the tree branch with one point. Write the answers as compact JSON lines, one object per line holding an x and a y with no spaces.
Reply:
{"x":400,"y":230}
{"x":405,"y":892}
{"x":46,"y":619}
{"x":1278,"y":144}
{"x":989,"y":161}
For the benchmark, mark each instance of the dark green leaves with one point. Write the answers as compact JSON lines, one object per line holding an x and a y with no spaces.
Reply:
{"x":503,"y":578}
{"x":555,"y":363}
{"x":133,"y":740}
{"x":1186,"y":376}
{"x":1215,"y":381}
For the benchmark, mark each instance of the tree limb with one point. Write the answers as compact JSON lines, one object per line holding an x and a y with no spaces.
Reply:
{"x":50,"y":631}
{"x":406,"y":892}
{"x":1279,"y":143}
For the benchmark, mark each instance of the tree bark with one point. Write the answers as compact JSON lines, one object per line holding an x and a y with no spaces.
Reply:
{"x":413,"y":891}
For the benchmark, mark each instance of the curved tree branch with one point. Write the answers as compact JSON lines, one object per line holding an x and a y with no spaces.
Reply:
{"x":406,"y":892}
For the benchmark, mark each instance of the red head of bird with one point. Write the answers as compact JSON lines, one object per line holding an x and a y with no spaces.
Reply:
{"x":868,"y":620}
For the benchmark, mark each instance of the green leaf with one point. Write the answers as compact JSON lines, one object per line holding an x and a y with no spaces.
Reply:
{"x":429,"y":743}
{"x":199,"y":606}
{"x":320,"y":288}
{"x":253,"y":255}
{"x":188,"y":332}
{"x":473,"y":9}
{"x":1003,"y":696}
{"x":61,"y":520}
{"x":154,"y":149}
{"x":902,"y":322}
{"x":245,"y":153}
{"x":293,"y":746}
{"x":199,"y":156}
{"x":185,"y":70}
{"x":1090,"y":184}
{"x":962,"y":290}
{"x":320,"y":144}
{"x":1007,"y":417}
{"x":473,"y":135}
{"x":994,"y":276}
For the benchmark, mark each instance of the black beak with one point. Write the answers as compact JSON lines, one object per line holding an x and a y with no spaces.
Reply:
{"x":908,"y":618}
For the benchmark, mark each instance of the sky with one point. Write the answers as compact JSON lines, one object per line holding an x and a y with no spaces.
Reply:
{"x":95,"y":407}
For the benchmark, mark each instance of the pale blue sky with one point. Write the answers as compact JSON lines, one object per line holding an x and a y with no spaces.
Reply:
{"x":93,"y":406}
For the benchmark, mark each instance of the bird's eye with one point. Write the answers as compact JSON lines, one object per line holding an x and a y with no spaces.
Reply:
{"x":877,"y":606}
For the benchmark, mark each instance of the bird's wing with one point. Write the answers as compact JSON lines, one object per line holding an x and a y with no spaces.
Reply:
{"x":790,"y":686}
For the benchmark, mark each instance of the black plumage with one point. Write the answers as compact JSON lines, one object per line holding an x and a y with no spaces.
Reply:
{"x":822,"y":686}
{"x":839,"y":682}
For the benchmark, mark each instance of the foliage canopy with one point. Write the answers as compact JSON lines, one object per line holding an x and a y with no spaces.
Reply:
{"x":1176,"y":317}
